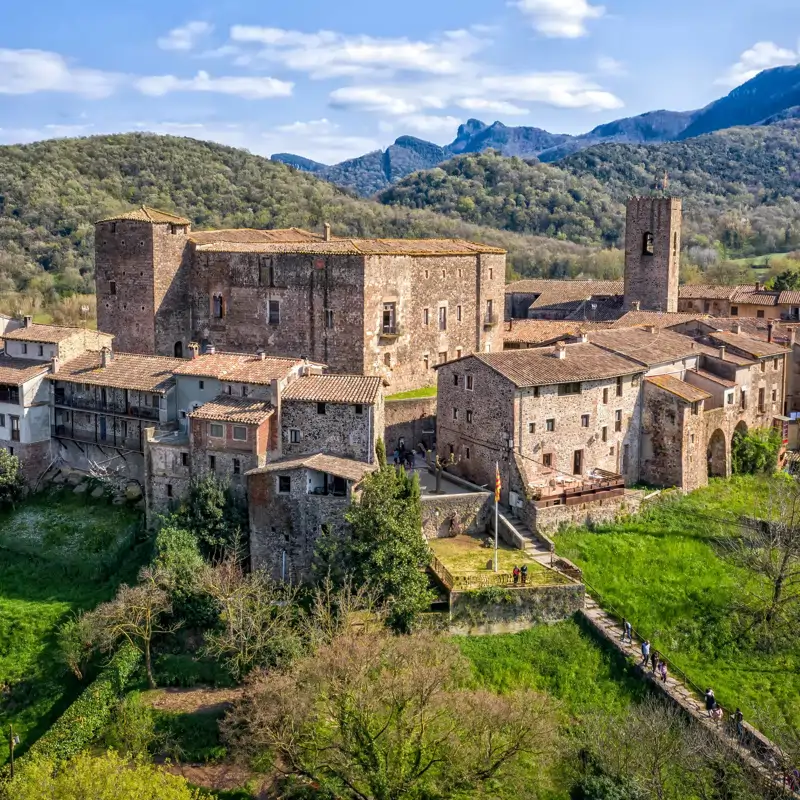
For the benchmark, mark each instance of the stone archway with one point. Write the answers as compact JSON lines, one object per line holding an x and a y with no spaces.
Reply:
{"x":717,"y":455}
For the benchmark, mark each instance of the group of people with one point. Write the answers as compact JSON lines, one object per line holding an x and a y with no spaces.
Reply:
{"x":520,"y":574}
{"x":658,"y":666}
{"x":713,"y":708}
{"x":404,"y":458}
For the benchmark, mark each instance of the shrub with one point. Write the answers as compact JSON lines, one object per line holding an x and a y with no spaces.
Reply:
{"x":132,"y":730}
{"x":12,"y":484}
{"x":755,"y":451}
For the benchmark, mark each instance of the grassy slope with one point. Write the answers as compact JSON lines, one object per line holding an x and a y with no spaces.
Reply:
{"x":414,"y":394}
{"x":36,"y":596}
{"x":664,"y":573}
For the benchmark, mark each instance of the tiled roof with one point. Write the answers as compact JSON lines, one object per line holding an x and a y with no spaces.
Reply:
{"x":598,"y":309}
{"x":659,"y":319}
{"x":749,"y":295}
{"x":673,"y":385}
{"x":534,"y":331}
{"x":237,"y":367}
{"x":706,"y":291}
{"x":358,"y":247}
{"x":147,"y":214}
{"x":16,"y":371}
{"x":566,"y":289}
{"x":124,"y":371}
{"x":658,"y":347}
{"x":248,"y":236}
{"x":334,"y":465}
{"x":242,"y":410}
{"x":335,"y":389}
{"x":755,"y":327}
{"x":730,"y":357}
{"x":789,"y":299}
{"x":52,"y":334}
{"x":541,"y":367}
{"x":710,"y":376}
{"x":757,"y":348}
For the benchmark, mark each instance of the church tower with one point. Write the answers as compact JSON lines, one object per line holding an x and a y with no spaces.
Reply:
{"x":652,"y":253}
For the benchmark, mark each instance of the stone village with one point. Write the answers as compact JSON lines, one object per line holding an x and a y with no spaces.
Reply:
{"x":267,"y":357}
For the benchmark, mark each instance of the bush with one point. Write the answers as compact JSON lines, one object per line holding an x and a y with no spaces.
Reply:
{"x":755,"y":451}
{"x":132,"y":730}
{"x":12,"y":484}
{"x":91,"y":712}
{"x":186,"y":671}
{"x":191,"y":737}
{"x":602,"y":787}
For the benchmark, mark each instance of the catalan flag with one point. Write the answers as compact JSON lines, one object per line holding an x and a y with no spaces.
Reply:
{"x":497,"y":484}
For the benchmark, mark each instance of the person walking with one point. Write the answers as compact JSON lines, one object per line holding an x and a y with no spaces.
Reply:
{"x":653,"y":661}
{"x":711,"y":701}
{"x":627,"y":630}
{"x":515,"y":573}
{"x":738,"y":718}
{"x":662,"y":671}
{"x":716,"y":714}
{"x":524,"y":574}
{"x":645,"y":652}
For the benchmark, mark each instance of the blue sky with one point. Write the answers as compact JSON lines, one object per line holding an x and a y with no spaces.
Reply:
{"x":332,"y":80}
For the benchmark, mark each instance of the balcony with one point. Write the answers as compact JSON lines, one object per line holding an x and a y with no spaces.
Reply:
{"x":491,"y":320}
{"x":79,"y":436}
{"x":107,"y":409}
{"x":390,"y":333}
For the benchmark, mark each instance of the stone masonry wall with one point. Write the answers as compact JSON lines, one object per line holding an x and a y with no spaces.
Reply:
{"x":171,"y":281}
{"x":413,"y":421}
{"x":167,"y":475}
{"x":555,"y":518}
{"x":472,"y":511}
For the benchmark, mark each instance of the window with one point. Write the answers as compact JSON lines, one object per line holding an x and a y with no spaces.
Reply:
{"x":212,"y":463}
{"x":458,"y":313}
{"x":460,"y":273}
{"x":695,"y":409}
{"x":15,"y":427}
{"x":41,"y":350}
{"x":229,"y":389}
{"x":584,"y":421}
{"x":24,"y":348}
{"x":761,"y":394}
{"x":458,"y":352}
{"x":729,"y":398}
{"x":531,"y":427}
{"x":284,"y":484}
{"x":647,"y":244}
{"x":240,"y":433}
{"x":489,"y":311}
{"x":605,"y":396}
{"x":443,"y":357}
{"x":237,"y":466}
{"x":9,"y":394}
{"x":294,"y":436}
{"x":113,"y":227}
{"x":706,"y":307}
{"x":202,"y":384}
{"x":774,"y":395}
{"x":389,"y":324}
{"x":2,"y":420}
{"x":568,"y":388}
{"x":611,"y":450}
{"x":469,"y":416}
{"x":169,"y":490}
{"x":775,"y":363}
{"x":619,"y":387}
{"x":763,"y":366}
{"x":387,"y":359}
{"x":426,"y":361}
{"x":743,"y":400}
{"x":320,"y":408}
{"x":734,"y":311}
{"x":184,"y":459}
{"x":442,"y":318}
{"x":675,"y":244}
{"x":274,"y":312}
{"x":112,"y":287}
{"x":550,"y":425}
{"x":216,"y":430}
{"x":469,"y":383}
{"x":491,"y":273}
{"x":547,"y":459}
{"x":577,"y":463}
{"x":488,"y":347}
{"x":466,"y":453}
{"x":617,"y":421}
{"x":426,"y":274}
{"x":535,"y":391}
{"x":218,"y":306}
{"x":760,"y":313}
{"x":328,"y":317}
{"x":425,"y":316}
{"x":455,"y":379}
{"x":444,"y":273}
{"x":604,"y":433}
{"x":455,"y":414}
{"x":636,"y":380}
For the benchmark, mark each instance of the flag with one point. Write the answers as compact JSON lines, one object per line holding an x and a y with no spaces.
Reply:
{"x":497,"y":484}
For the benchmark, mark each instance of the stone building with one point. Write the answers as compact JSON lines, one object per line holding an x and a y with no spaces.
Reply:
{"x":48,"y":342}
{"x":391,"y":308}
{"x":292,"y":502}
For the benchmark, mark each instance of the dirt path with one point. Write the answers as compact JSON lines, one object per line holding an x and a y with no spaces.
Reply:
{"x":201,"y":699}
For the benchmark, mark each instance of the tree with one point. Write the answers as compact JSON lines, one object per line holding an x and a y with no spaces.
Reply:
{"x":787,"y":281}
{"x":178,"y":556}
{"x":383,"y":547}
{"x":78,"y":638}
{"x":381,"y":717}
{"x":12,"y":484}
{"x":755,"y":451}
{"x":104,"y":777}
{"x":136,"y":614}
{"x":257,"y":618}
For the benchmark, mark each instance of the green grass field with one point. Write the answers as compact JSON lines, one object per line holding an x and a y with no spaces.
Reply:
{"x":428,"y":391}
{"x":36,"y":595}
{"x":664,"y":572}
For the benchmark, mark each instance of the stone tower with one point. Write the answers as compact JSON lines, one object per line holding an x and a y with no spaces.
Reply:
{"x":652,"y":253}
{"x":140,"y":275}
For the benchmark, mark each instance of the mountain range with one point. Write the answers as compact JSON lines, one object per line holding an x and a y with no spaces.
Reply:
{"x":770,"y":97}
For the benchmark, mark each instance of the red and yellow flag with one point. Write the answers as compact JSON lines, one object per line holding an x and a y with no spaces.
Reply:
{"x":497,"y":484}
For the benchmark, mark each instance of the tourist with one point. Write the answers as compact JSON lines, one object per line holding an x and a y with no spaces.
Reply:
{"x":738,"y":718}
{"x":716,"y":713}
{"x":654,"y":660}
{"x":396,"y":457}
{"x":711,"y":701}
{"x":627,"y":630}
{"x":515,"y":573}
{"x":524,"y":574}
{"x":645,"y":652}
{"x":662,"y":670}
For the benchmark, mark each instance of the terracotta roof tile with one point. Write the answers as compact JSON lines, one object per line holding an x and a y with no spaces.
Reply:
{"x":748,"y":295}
{"x":242,"y":410}
{"x":789,"y":299}
{"x":147,"y":214}
{"x":755,"y":327}
{"x":253,"y":236}
{"x":125,"y":371}
{"x":52,"y":334}
{"x":358,"y":247}
{"x":238,"y":367}
{"x":565,"y":288}
{"x":659,"y":319}
{"x":322,"y":462}
{"x":535,"y":331}
{"x":16,"y":371}
{"x":540,"y":366}
{"x":733,"y":358}
{"x":706,"y":291}
{"x":334,"y":389}
{"x":659,"y":347}
{"x":756,"y":348}
{"x":673,"y":385}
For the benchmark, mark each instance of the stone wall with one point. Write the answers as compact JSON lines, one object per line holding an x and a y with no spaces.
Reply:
{"x":35,"y":457}
{"x":472,"y":512}
{"x":555,"y":518}
{"x":509,"y":609}
{"x":171,"y":280}
{"x":413,"y":421}
{"x":167,"y":468}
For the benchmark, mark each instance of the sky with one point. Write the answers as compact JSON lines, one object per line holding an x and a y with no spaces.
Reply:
{"x":333,"y":80}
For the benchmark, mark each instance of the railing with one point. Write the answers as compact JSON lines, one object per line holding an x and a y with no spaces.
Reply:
{"x":490,"y":320}
{"x":390,"y":332}
{"x":441,"y":572}
{"x":110,"y":409}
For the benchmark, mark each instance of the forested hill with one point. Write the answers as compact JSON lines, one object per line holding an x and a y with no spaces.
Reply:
{"x":741,"y":189}
{"x":52,"y":192}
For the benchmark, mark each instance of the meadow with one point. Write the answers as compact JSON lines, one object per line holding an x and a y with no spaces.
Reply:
{"x":668,"y":571}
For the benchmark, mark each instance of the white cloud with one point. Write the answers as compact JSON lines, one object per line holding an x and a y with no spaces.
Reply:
{"x":559,"y":89}
{"x":430,"y":126}
{"x":327,"y":54}
{"x":484,"y":104}
{"x":610,"y":66}
{"x":382,"y":100}
{"x":560,"y":19}
{"x":31,"y":71}
{"x":318,"y":139}
{"x":247,"y":87}
{"x":186,"y":37}
{"x":762,"y":55}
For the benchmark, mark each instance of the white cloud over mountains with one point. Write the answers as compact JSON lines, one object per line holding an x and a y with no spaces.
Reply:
{"x":30,"y":71}
{"x":246,"y":87}
{"x":560,"y":19}
{"x":761,"y":56}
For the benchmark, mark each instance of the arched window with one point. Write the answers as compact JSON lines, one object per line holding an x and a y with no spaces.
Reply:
{"x":178,"y":349}
{"x":218,"y":306}
{"x":647,"y":244}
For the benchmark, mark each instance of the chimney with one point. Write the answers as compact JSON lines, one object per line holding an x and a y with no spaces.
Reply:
{"x":27,"y":321}
{"x":561,"y":351}
{"x":737,"y":328}
{"x":722,"y":352}
{"x":210,"y":349}
{"x":650,"y":328}
{"x":583,"y":337}
{"x":105,"y":356}
{"x":55,"y":365}
{"x":326,"y":236}
{"x":261,"y":355}
{"x":635,"y":305}
{"x":758,"y":286}
{"x":194,"y":349}
{"x":770,"y":331}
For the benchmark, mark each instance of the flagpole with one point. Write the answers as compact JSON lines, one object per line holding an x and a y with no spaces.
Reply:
{"x":496,"y":513}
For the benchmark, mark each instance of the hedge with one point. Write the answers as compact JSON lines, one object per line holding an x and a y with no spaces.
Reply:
{"x":84,"y":719}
